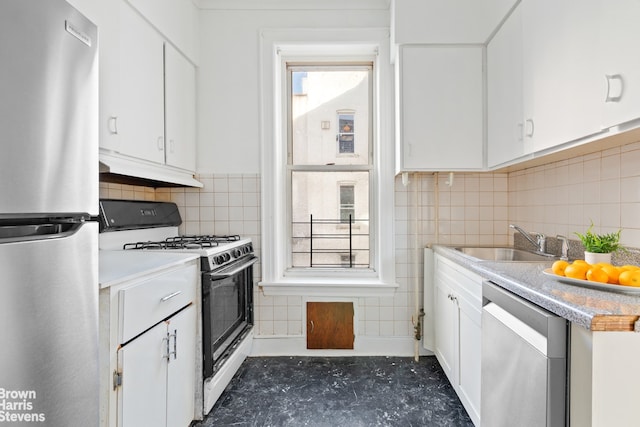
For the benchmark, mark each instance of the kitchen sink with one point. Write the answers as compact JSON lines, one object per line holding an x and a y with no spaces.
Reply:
{"x":503,"y":254}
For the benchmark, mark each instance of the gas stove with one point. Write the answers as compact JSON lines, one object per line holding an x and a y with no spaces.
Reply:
{"x":225,"y":295}
{"x":139,"y":225}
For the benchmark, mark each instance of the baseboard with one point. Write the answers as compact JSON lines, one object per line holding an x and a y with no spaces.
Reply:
{"x":364,"y":346}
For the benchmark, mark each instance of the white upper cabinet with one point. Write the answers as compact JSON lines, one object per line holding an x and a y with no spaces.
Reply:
{"x":561,"y":90}
{"x":176,"y":20}
{"x":180,"y":110}
{"x":505,"y":137}
{"x":140,"y":120}
{"x":451,"y":21}
{"x":439,"y":108}
{"x":620,"y":61}
{"x":106,"y":16}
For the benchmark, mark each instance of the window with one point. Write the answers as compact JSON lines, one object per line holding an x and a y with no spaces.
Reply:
{"x":347,"y":205}
{"x":345,"y":133}
{"x":318,"y":236}
{"x":304,"y":165}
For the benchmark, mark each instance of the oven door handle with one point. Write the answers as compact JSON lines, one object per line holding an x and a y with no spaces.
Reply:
{"x":220,"y":275}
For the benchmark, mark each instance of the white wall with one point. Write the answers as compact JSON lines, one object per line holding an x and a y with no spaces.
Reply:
{"x":228,"y":77}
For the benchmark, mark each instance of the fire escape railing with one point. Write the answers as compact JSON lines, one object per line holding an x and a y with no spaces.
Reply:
{"x":320,"y":241}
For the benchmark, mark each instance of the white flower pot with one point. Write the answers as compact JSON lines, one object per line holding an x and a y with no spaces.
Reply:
{"x":594,"y":258}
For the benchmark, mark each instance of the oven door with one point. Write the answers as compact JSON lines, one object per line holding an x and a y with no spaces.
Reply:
{"x":227,"y":310}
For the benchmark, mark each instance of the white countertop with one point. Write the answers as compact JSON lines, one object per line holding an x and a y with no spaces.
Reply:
{"x":116,"y":267}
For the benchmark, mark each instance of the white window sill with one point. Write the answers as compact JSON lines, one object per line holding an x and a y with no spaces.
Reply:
{"x":329,"y":288}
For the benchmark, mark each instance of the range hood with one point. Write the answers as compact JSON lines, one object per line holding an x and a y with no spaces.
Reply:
{"x":125,"y":170}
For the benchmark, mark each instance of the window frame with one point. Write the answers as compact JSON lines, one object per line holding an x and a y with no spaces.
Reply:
{"x":277,"y":47}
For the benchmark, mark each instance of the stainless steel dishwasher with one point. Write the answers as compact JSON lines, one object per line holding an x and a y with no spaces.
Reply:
{"x":524,"y":362}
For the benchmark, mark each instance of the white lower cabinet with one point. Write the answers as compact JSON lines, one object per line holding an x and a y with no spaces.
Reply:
{"x":149,"y":340}
{"x":458,"y":330}
{"x":158,"y":372}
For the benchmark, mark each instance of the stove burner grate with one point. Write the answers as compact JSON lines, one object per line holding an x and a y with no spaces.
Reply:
{"x":184,"y":242}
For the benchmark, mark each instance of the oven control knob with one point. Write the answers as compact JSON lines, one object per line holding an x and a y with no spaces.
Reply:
{"x":222,"y":258}
{"x":237,"y":253}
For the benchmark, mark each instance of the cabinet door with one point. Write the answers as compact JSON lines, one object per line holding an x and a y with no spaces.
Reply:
{"x":561,"y":85}
{"x":441,"y":108}
{"x":140,"y":122}
{"x":619,"y":46}
{"x":446,"y":325}
{"x":106,"y":17}
{"x":143,"y":363}
{"x":330,"y":325}
{"x":505,"y":138}
{"x":470,"y":345}
{"x":181,"y":365}
{"x":180,"y":106}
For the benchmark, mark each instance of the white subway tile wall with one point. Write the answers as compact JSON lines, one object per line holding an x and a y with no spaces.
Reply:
{"x":557,"y":198}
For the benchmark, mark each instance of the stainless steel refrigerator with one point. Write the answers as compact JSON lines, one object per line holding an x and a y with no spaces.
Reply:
{"x":48,"y":196}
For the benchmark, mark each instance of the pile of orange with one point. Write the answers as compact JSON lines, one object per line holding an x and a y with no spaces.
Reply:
{"x":626,"y":275}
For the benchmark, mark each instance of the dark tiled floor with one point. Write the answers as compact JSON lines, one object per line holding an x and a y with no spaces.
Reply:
{"x":338,"y":391}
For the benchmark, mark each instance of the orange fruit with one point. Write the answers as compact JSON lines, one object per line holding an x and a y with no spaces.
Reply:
{"x":597,"y":274}
{"x":580,"y":261}
{"x":576,"y":271}
{"x":559,"y":266}
{"x":625,"y":277}
{"x":613,"y":273}
{"x":635,"y":279}
{"x":629,"y":267}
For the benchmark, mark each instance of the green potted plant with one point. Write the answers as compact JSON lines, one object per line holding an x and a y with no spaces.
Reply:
{"x":599,"y":247}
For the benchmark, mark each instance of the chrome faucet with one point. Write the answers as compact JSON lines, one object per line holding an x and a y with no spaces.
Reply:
{"x":540,"y":242}
{"x":565,"y":247}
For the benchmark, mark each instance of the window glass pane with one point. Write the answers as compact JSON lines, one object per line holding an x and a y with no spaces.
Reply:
{"x":347,"y":206}
{"x":319,"y":131}
{"x":320,"y":235}
{"x":299,"y":82}
{"x":345,"y":133}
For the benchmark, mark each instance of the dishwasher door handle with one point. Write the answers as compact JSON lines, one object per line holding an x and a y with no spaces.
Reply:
{"x":524,"y":331}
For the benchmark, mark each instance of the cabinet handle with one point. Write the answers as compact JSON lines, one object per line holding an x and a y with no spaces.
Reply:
{"x":167,"y":355}
{"x":171,"y":145}
{"x":175,"y":345}
{"x":612,"y":86}
{"x":113,"y":125}
{"x":168,"y":297}
{"x":529,"y":125}
{"x":312,"y":327}
{"x":160,"y":143}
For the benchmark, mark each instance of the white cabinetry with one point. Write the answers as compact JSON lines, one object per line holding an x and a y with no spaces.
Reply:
{"x":505,"y":137}
{"x":148,"y":339}
{"x":458,"y":330}
{"x":561,"y":90}
{"x":603,"y":378}
{"x":160,"y":370}
{"x":439,"y":122}
{"x":544,"y":86}
{"x":139,"y":123}
{"x":180,"y":110}
{"x":135,"y":88}
{"x":620,"y":63}
{"x":436,"y":21}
